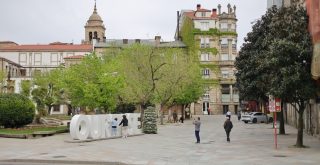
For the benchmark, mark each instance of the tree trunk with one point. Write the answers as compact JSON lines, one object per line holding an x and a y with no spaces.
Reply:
{"x":162,"y":114}
{"x":182,"y":111}
{"x":70,"y":110}
{"x":299,"y":142}
{"x":49,"y":109}
{"x":281,"y":118}
{"x":169,"y":115}
{"x":141,"y":115}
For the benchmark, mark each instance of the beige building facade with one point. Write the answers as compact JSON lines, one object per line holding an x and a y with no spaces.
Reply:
{"x":216,"y":36}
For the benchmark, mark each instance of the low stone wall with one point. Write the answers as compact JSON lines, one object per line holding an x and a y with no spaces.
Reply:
{"x":311,"y":118}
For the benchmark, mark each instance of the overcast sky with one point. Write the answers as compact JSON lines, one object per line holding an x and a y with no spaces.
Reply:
{"x":45,"y":21}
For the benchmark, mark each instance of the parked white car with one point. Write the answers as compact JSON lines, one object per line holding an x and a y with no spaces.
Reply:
{"x":256,"y":117}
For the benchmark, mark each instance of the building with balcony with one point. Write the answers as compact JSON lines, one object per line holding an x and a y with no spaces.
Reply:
{"x":214,"y":36}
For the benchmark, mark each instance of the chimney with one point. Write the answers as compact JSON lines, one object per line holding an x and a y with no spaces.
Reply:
{"x":125,"y":41}
{"x":219,"y":9}
{"x":157,"y":39}
{"x":229,"y":9}
{"x":214,"y":13}
{"x":137,"y":41}
{"x":178,"y":26}
{"x":198,"y":6}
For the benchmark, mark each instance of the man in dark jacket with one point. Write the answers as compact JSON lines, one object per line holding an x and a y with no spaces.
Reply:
{"x":227,"y":127}
{"x":124,"y":123}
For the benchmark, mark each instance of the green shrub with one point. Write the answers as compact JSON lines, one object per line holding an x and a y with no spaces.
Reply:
{"x":15,"y":110}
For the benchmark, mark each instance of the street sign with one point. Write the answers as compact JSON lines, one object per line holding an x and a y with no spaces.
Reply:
{"x":277,"y":104}
{"x":274,"y":104}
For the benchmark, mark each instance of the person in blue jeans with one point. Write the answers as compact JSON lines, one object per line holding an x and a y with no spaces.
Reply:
{"x":197,"y":124}
{"x":114,"y":125}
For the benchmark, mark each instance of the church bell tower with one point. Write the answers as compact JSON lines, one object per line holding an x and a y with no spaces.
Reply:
{"x":94,"y":28}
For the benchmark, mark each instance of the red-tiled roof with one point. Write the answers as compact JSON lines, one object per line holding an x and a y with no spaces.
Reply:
{"x":7,"y":42}
{"x":191,"y":15}
{"x":74,"y":57}
{"x":48,"y":48}
{"x":203,"y":10}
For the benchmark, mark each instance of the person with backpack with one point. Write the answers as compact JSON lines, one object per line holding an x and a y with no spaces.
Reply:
{"x":227,"y":127}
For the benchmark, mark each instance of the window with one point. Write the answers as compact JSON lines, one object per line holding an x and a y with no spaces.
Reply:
{"x":225,"y":74}
{"x":206,"y":96}
{"x":204,"y":26}
{"x":37,"y":59}
{"x":206,"y":72}
{"x":223,"y":26}
{"x":224,"y":43}
{"x":205,"y":57}
{"x":204,"y":42}
{"x":90,"y":36}
{"x":203,"y":14}
{"x":54,"y":59}
{"x":233,"y":26}
{"x":229,"y":26}
{"x":234,"y":43}
{"x":225,"y":89}
{"x":23,"y":72}
{"x":56,"y":108}
{"x":224,"y":57}
{"x":23,"y":59}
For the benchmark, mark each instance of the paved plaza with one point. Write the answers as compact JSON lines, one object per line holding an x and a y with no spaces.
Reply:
{"x":173,"y":145}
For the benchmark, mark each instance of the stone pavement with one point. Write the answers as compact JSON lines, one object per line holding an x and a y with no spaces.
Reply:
{"x":173,"y":145}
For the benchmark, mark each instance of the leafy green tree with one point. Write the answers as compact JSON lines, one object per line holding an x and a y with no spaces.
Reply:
{"x":191,"y":91}
{"x":141,"y":68}
{"x":154,"y":74}
{"x":2,"y":80}
{"x":94,"y":83}
{"x":275,"y":60}
{"x":290,"y":58}
{"x":26,"y":87}
{"x":252,"y":74}
{"x":47,"y":90}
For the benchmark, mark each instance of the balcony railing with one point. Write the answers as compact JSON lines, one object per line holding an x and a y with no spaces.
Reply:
{"x":226,"y":63}
{"x":227,"y":81}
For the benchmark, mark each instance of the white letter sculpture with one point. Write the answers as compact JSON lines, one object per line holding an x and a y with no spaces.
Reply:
{"x":84,"y":127}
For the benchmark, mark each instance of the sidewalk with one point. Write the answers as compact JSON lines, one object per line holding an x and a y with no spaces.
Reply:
{"x":175,"y":145}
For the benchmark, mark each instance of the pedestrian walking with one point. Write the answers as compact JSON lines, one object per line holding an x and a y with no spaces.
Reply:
{"x":239,"y":115}
{"x":227,"y":127}
{"x":228,"y":115}
{"x":175,"y":117}
{"x":197,"y":124}
{"x":114,"y":124}
{"x":124,"y":123}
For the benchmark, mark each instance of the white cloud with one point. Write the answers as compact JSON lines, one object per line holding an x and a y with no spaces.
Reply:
{"x":45,"y":21}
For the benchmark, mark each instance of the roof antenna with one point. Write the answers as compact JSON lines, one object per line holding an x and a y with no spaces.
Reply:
{"x":95,"y":5}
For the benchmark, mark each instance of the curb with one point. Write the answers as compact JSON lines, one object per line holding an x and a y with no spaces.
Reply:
{"x":33,"y":135}
{"x":41,"y":161}
{"x":22,"y":136}
{"x":91,"y":140}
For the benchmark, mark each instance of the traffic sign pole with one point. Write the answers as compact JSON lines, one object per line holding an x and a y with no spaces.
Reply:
{"x":275,"y":130}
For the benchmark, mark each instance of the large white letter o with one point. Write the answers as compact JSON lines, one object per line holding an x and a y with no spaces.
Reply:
{"x":80,"y":127}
